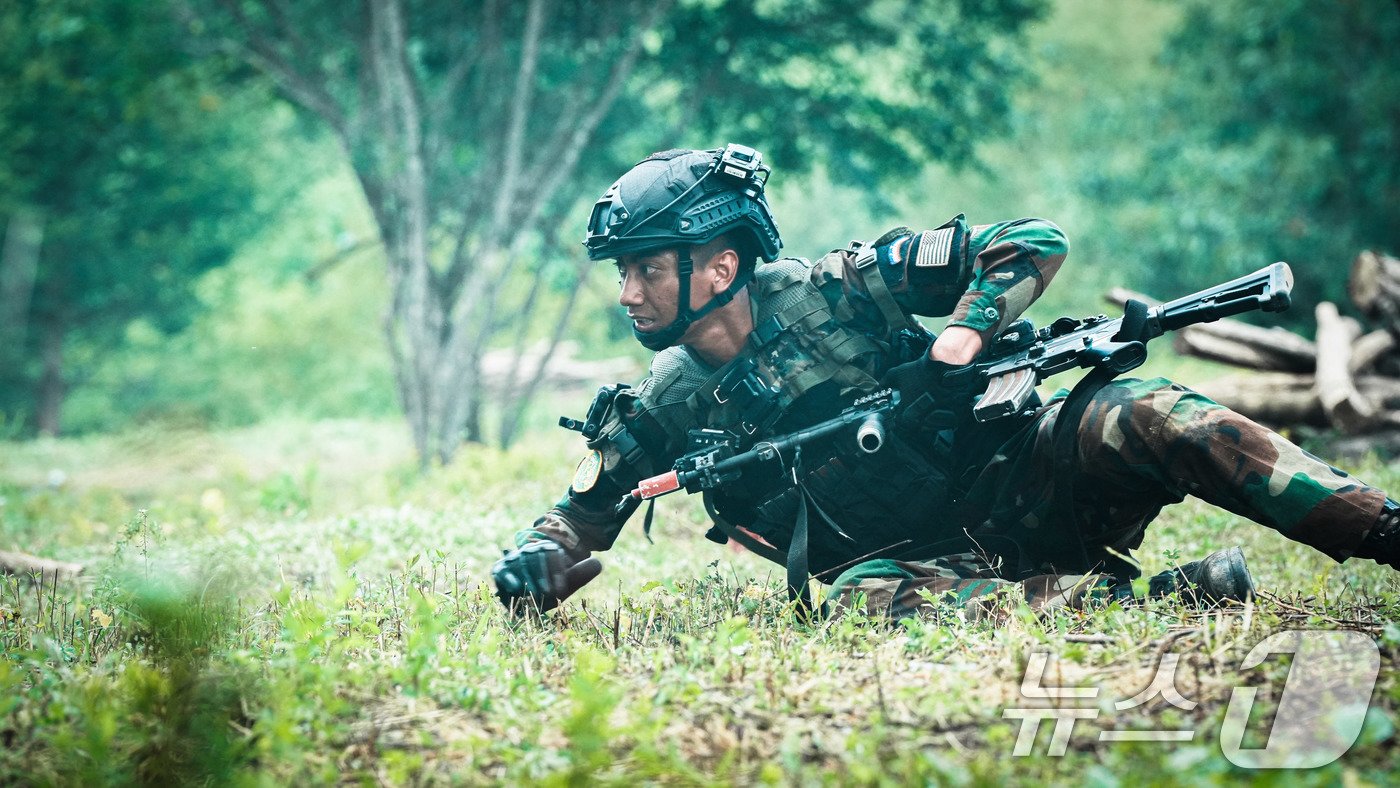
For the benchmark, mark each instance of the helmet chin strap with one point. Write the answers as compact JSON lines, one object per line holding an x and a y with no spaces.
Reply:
{"x":685,"y":316}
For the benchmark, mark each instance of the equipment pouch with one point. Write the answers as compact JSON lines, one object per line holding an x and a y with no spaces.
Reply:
{"x":937,"y":269}
{"x":750,"y":397}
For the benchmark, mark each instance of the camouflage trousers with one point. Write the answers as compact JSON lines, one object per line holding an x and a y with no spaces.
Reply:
{"x":964,"y":582}
{"x":1141,"y":445}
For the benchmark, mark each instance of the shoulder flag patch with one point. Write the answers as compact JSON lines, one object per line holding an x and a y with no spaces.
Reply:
{"x":935,"y":248}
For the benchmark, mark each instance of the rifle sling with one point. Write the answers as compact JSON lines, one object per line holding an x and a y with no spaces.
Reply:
{"x":1065,"y":439}
{"x":1064,"y":444}
{"x":799,"y":590}
{"x":646,"y":522}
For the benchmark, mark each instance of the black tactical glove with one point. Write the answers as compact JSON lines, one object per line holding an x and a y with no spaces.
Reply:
{"x":933,"y":394}
{"x":542,"y":572}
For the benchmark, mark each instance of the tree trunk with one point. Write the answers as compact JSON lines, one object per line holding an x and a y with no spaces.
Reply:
{"x":24,"y":564}
{"x":52,"y":388}
{"x":510,"y":420}
{"x":439,"y":322}
{"x":19,"y":265}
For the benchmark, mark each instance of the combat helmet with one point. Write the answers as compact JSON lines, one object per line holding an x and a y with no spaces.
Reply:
{"x":680,"y":199}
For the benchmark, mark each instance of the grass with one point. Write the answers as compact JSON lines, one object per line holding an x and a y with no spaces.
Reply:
{"x":292,"y":603}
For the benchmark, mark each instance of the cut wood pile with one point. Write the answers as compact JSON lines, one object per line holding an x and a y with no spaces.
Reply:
{"x":1347,"y":379}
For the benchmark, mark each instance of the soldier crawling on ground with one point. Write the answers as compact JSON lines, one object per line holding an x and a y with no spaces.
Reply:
{"x":949,"y":509}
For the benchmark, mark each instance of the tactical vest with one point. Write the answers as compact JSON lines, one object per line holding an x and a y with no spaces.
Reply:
{"x":798,"y":346}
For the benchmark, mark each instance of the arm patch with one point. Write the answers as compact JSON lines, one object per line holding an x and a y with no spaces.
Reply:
{"x":933,"y":248}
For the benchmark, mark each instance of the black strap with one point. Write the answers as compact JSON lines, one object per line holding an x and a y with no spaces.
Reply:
{"x":798,"y":590}
{"x":646,"y":522}
{"x":1065,"y":440}
{"x":1064,"y":445}
{"x":1134,"y":325}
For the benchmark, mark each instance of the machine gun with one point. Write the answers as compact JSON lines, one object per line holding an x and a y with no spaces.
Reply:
{"x":714,"y":457}
{"x":1021,"y":356}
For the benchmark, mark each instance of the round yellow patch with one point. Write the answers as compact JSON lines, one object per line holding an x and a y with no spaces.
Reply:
{"x":586,"y":475}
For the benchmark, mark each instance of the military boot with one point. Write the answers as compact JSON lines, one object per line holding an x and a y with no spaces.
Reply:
{"x":1220,"y":576}
{"x":1382,"y":542}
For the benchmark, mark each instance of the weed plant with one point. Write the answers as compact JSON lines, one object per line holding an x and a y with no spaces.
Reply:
{"x":322,"y":622}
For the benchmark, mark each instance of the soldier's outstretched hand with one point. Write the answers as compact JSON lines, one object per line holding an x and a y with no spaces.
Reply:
{"x":543,"y":573}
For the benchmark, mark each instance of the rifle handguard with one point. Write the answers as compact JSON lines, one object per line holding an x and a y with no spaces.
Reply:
{"x":707,"y":468}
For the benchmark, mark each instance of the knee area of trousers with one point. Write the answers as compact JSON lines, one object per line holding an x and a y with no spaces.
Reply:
{"x":1159,"y":411}
{"x":878,"y":569}
{"x":1194,"y":420}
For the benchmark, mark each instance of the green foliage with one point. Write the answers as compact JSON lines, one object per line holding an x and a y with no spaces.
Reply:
{"x":285,"y":659}
{"x":593,"y":696}
{"x":141,"y":168}
{"x":287,"y":327}
{"x":145,"y":693}
{"x":868,"y":90}
{"x":1273,"y":135}
{"x":478,"y":132}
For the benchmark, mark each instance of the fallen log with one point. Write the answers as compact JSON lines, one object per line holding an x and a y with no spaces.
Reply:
{"x":1345,"y":407}
{"x":23,"y":564}
{"x":565,"y":369}
{"x":1374,"y":286}
{"x":1273,"y":398}
{"x":1286,"y":399}
{"x":1369,"y":349}
{"x":1384,"y":444}
{"x":1202,"y":341}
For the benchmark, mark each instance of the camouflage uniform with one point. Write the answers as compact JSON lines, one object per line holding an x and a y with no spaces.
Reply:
{"x":956,"y":513}
{"x":1142,"y":444}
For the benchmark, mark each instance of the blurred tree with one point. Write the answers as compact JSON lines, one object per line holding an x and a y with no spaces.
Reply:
{"x":477,"y":129}
{"x":125,"y":176}
{"x":1276,"y":136}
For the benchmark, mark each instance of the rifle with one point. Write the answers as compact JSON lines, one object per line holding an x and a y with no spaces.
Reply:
{"x":713,"y":457}
{"x":1021,"y":356}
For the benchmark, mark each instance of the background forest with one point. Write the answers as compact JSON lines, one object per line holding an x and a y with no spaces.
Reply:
{"x":292,"y":295}
{"x":187,"y":239}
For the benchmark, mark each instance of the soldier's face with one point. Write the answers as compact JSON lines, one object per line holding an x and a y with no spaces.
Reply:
{"x":650,"y":288}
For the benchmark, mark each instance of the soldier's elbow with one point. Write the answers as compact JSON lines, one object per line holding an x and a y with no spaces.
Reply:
{"x":1051,"y":240}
